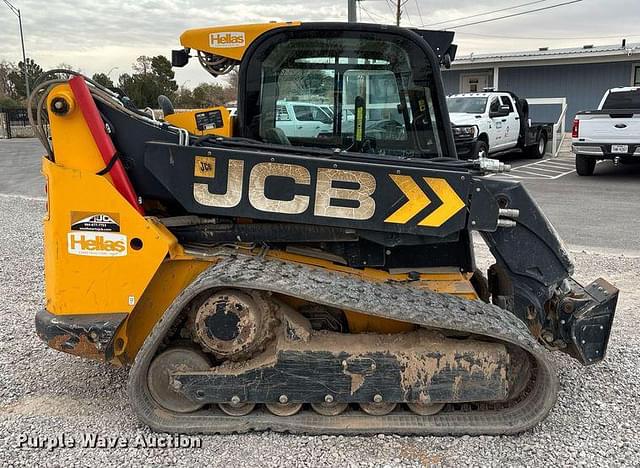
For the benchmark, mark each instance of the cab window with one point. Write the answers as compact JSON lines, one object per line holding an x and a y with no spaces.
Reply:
{"x":282,"y":115}
{"x":381,"y":95}
{"x":507,"y":102}
{"x":495,"y":105}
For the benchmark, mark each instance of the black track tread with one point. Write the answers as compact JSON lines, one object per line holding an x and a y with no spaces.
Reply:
{"x":391,"y":300}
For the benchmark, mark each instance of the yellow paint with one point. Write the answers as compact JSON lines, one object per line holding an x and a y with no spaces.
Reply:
{"x":79,"y":284}
{"x":171,"y":278}
{"x":417,"y":200}
{"x":187,"y":120}
{"x":73,"y":144}
{"x":363,"y":323}
{"x":228,"y":41}
{"x":451,"y":203}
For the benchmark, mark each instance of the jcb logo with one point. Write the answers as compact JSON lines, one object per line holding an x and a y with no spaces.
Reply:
{"x":338,"y":193}
{"x":362,"y":206}
{"x":225,"y":40}
{"x":97,"y":244}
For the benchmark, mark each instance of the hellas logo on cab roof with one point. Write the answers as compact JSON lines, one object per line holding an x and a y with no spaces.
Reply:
{"x":226,"y":39}
{"x":97,"y":244}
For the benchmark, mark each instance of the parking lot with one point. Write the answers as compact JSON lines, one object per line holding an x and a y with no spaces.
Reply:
{"x":594,"y":422}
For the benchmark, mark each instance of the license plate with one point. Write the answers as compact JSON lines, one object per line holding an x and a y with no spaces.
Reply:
{"x":619,"y":148}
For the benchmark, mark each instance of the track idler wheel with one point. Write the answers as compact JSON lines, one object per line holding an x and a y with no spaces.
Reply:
{"x":426,"y":409}
{"x":162,"y":389}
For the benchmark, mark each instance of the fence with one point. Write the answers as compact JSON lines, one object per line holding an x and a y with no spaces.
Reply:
{"x":14,"y":123}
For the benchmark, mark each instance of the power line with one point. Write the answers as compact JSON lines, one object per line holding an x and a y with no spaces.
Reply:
{"x":515,"y":14}
{"x":371,"y":14}
{"x":487,"y":12}
{"x":419,"y":11}
{"x":559,"y":38}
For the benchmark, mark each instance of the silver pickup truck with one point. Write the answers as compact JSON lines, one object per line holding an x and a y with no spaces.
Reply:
{"x":611,"y":132}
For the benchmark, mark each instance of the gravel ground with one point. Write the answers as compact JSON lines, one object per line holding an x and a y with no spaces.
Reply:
{"x":47,"y":394}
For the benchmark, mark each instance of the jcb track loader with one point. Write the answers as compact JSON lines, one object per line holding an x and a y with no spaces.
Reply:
{"x":256,"y":278}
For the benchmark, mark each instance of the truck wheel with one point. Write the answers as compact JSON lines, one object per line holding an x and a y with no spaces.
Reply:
{"x":481,"y":150}
{"x":584,"y":165}
{"x":538,"y":150}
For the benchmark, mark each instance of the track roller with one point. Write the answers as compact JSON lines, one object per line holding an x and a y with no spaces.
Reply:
{"x":284,"y":409}
{"x":329,"y":408}
{"x":237,"y":409}
{"x":378,"y":409}
{"x":426,"y":409}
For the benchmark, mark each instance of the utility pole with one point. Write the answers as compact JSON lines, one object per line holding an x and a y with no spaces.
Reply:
{"x":352,"y":14}
{"x":16,"y":11}
{"x":398,"y":12}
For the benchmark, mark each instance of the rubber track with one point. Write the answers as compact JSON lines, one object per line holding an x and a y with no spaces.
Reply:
{"x":391,"y":300}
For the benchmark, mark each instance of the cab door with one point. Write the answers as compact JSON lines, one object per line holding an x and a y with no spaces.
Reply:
{"x":512,"y":125}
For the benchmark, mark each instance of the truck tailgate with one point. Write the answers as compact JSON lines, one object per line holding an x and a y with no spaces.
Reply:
{"x":610,"y":126}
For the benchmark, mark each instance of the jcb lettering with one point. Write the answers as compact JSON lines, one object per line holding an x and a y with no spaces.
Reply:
{"x":258,"y":198}
{"x":331,"y":200}
{"x":360,"y":195}
{"x":231,"y":197}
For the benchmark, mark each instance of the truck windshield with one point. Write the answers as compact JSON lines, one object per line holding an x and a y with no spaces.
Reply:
{"x":351,"y":93}
{"x":467,"y":105}
{"x":622,"y":100}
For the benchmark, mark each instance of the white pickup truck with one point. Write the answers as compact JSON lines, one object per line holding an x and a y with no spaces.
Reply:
{"x":493,"y":122}
{"x":611,"y":132}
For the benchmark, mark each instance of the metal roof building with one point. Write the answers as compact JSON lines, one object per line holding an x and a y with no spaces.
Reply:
{"x":581,"y":75}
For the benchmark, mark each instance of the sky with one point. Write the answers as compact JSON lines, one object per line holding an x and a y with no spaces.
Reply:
{"x":108,"y":35}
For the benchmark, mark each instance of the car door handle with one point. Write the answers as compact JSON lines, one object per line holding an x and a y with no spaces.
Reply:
{"x":517,"y":118}
{"x":504,"y":120}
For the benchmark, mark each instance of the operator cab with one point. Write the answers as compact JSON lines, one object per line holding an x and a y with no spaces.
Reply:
{"x":370,"y":90}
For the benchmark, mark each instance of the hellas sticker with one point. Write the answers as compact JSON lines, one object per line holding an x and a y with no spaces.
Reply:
{"x":225,"y":40}
{"x":97,"y":244}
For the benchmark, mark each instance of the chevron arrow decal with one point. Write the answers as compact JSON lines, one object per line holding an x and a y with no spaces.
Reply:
{"x":417,"y":201}
{"x":451,"y":203}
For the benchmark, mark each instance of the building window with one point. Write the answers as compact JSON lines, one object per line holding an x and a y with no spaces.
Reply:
{"x":636,"y":75}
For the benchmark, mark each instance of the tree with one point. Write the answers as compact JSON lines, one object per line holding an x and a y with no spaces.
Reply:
{"x":7,"y":103}
{"x":33,"y":71}
{"x":184,"y":99}
{"x":208,"y":95}
{"x":164,"y":75}
{"x":231,"y":91}
{"x":153,"y":76}
{"x":6,"y":85}
{"x":102,"y":79}
{"x":305,"y":84}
